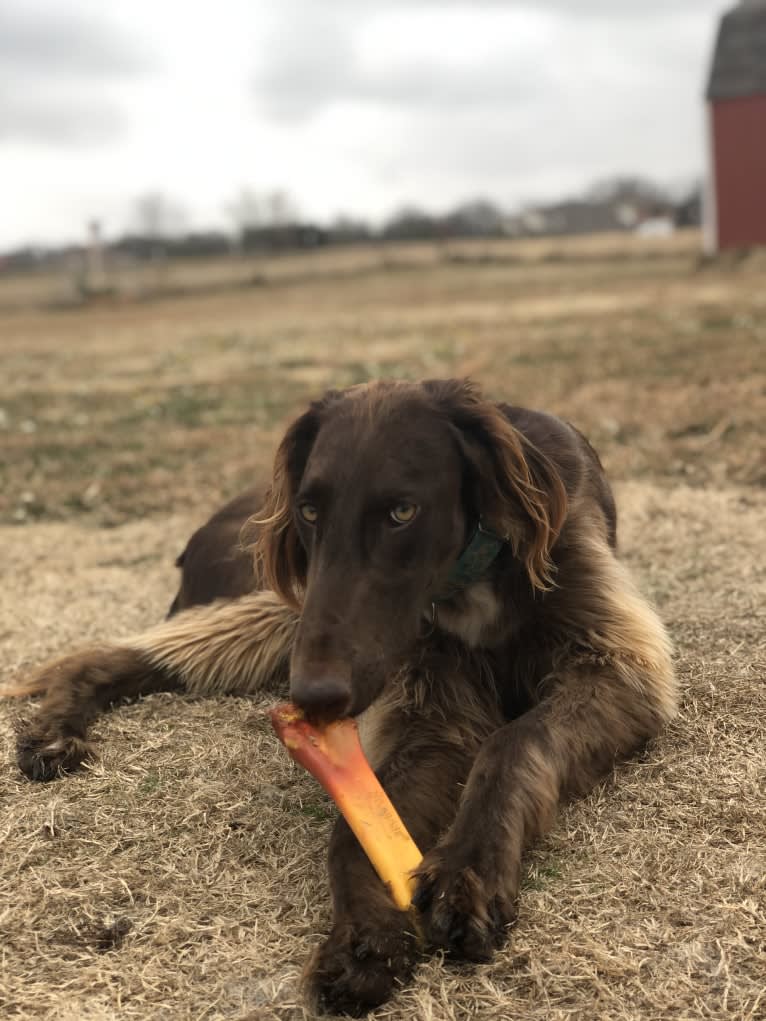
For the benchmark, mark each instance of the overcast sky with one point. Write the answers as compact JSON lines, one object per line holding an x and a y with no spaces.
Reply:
{"x":350,"y":106}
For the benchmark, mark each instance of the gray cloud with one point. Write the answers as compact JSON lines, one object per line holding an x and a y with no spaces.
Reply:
{"x":306,"y":63}
{"x":310,"y":59}
{"x":299,"y":88}
{"x":634,"y":9}
{"x":55,"y":120}
{"x":54,"y":44}
{"x":51,"y":64}
{"x":613,"y":9}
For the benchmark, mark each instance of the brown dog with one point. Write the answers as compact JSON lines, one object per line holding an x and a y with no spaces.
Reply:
{"x":444,"y":568}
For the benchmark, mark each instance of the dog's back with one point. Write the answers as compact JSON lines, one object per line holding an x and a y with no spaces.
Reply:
{"x":213,"y":564}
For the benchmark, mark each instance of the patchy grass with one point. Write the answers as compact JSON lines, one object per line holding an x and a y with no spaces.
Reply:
{"x":106,"y":408}
{"x":182,"y":876}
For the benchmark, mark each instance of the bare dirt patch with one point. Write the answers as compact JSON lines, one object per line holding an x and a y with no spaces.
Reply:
{"x":182,"y":876}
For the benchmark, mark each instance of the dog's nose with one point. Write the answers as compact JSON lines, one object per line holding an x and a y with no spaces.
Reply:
{"x":327,"y":697}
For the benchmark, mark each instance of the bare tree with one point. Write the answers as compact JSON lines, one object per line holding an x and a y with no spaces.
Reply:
{"x":246,"y":210}
{"x":158,"y":217}
{"x":627,"y":188}
{"x":280,"y":209}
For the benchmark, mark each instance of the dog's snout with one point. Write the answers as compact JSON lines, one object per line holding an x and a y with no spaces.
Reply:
{"x":327,"y":696}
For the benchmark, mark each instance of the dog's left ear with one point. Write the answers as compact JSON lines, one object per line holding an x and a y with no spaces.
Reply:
{"x":514,"y":487}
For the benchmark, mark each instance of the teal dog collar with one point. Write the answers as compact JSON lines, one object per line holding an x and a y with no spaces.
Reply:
{"x":473,"y":563}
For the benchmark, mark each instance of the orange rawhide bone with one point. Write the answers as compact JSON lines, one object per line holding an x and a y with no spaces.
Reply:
{"x":334,"y":756}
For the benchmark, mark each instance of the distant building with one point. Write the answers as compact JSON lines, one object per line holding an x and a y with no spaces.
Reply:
{"x":578,"y":217}
{"x":650,"y":215}
{"x":735,"y":207}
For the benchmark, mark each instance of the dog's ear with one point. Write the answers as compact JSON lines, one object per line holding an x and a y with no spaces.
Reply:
{"x":513,"y":487}
{"x":280,"y":558}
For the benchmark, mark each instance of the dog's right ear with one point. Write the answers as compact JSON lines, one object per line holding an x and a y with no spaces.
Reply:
{"x":280,"y":559}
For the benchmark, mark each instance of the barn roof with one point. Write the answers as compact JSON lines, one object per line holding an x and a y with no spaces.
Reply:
{"x":739,"y":63}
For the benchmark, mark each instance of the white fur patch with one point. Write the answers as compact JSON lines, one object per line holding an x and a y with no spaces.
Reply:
{"x":375,"y":742}
{"x":472,"y":614}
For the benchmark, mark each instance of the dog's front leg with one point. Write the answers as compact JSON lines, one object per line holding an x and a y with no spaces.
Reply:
{"x":373,"y":947}
{"x":469,"y":883}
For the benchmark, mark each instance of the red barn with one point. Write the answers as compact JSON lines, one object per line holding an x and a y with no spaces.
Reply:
{"x":736,"y":95}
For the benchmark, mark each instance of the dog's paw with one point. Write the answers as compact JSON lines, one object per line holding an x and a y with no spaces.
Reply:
{"x":461,"y":911}
{"x":357,"y":969}
{"x":45,"y":755}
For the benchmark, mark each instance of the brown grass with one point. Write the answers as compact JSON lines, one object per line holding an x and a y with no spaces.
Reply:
{"x":182,"y":876}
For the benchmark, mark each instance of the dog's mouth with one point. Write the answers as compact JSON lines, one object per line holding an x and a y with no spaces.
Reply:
{"x":323,"y":718}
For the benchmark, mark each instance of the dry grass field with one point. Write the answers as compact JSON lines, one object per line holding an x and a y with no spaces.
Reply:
{"x":181,"y":876}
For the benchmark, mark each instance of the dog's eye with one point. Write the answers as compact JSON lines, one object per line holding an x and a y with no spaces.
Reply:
{"x":309,"y":513}
{"x":403,"y":513}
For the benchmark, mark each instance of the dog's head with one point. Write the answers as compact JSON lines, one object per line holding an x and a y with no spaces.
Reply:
{"x":376,"y":490}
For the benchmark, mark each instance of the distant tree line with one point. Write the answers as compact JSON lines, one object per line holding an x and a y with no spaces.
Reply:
{"x":270,"y":223}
